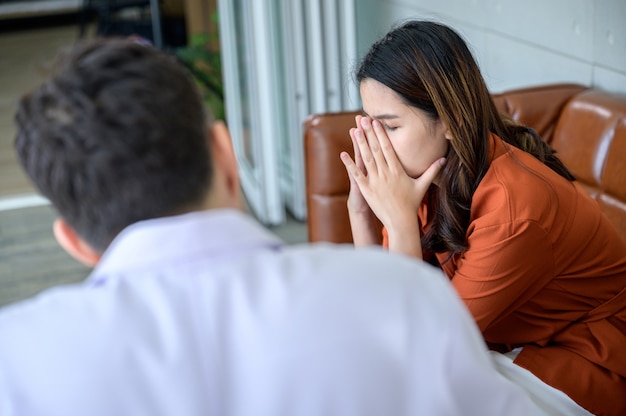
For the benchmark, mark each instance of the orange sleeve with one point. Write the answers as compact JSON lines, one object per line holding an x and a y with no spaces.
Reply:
{"x":385,"y":234}
{"x":503,"y":267}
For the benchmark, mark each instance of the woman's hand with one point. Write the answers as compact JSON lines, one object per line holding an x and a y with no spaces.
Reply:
{"x":363,"y":223}
{"x":356,"y":201}
{"x":390,"y":193}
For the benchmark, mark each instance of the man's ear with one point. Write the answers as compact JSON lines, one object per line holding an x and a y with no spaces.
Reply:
{"x":224,"y":159}
{"x":73,"y":244}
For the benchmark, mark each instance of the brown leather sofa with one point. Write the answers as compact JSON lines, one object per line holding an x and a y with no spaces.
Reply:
{"x":586,"y":127}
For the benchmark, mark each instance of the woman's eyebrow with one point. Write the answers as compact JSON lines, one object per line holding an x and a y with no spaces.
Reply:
{"x":381,"y":116}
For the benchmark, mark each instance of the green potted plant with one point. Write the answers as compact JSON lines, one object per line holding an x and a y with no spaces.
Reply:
{"x":202,"y":58}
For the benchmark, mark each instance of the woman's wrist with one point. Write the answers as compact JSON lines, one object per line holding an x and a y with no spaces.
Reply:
{"x":404,"y":236}
{"x":364,"y":229}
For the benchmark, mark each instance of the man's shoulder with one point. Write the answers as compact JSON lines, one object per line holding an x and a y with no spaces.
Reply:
{"x":50,"y":299}
{"x":337,"y":267}
{"x":360,"y":270}
{"x":46,"y":335}
{"x":372,"y":261}
{"x":44,"y":316}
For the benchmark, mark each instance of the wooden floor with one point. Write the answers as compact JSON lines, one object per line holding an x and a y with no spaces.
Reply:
{"x":30,"y":258}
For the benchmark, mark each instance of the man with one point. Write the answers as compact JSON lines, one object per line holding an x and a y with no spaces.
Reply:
{"x":192,"y":307}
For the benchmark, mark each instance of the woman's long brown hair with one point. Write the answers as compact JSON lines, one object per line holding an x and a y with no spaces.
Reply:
{"x":430,"y":66}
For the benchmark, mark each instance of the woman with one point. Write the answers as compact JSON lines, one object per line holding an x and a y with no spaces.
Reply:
{"x":538,"y":265}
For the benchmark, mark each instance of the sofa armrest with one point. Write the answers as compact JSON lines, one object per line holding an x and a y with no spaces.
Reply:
{"x":327,"y":183}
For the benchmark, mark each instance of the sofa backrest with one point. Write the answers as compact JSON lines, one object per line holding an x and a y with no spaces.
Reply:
{"x":538,"y":107}
{"x":590,"y":138}
{"x":586,"y":127}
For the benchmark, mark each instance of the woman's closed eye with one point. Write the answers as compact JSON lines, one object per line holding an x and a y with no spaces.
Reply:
{"x":389,"y":128}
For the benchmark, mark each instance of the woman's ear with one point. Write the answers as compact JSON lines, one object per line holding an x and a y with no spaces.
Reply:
{"x":447,"y":133}
{"x":441,"y":128}
{"x":225,"y":161}
{"x":73,"y":244}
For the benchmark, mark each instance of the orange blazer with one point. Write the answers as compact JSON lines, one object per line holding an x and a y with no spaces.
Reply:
{"x":545,"y":270}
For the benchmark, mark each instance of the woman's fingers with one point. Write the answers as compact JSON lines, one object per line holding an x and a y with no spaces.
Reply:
{"x":387,"y":150}
{"x":373,"y":142}
{"x":366,"y":153}
{"x":357,"y":153}
{"x":431,"y":173}
{"x":362,"y":152}
{"x":355,"y":173}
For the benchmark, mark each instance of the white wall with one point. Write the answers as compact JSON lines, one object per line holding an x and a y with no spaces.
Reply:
{"x":519,"y":43}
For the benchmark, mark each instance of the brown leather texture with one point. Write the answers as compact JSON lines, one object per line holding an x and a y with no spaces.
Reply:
{"x":586,"y":127}
{"x":327,"y":184}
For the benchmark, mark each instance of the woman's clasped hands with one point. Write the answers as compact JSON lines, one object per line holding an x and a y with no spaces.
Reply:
{"x":380,"y":184}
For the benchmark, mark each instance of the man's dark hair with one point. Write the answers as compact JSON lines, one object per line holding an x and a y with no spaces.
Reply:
{"x":117,"y":135}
